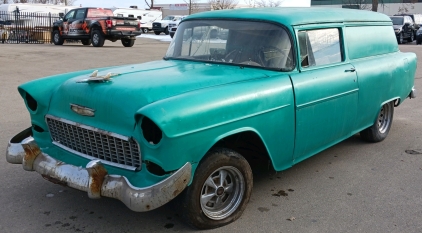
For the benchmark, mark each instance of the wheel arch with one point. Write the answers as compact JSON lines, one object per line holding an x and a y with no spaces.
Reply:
{"x":246,"y":141}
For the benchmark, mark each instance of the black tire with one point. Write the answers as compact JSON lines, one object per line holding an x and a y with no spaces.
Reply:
{"x":419,"y":41}
{"x":400,"y":39}
{"x":97,"y":38}
{"x":128,"y":42}
{"x":411,"y":38}
{"x":145,"y":30}
{"x":157,"y":33}
{"x":166,"y":31}
{"x":379,"y":130}
{"x":221,"y":206}
{"x":86,"y":41}
{"x":171,"y":35}
{"x":57,"y":38}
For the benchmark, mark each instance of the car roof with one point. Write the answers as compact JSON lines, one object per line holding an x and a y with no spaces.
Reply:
{"x":295,"y":15}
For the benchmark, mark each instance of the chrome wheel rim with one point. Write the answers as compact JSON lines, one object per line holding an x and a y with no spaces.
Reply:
{"x":95,"y":38}
{"x":56,"y":37}
{"x":384,"y":118}
{"x":222,"y":193}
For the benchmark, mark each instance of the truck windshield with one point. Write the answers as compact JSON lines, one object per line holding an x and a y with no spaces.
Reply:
{"x":243,"y":43}
{"x":397,"y":20}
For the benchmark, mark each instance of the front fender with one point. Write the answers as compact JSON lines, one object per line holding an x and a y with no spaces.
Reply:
{"x":207,"y":108}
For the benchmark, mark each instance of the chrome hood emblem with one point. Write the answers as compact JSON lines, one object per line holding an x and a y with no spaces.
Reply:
{"x":81,"y":110}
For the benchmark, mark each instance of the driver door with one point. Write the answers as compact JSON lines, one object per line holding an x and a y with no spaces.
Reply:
{"x":66,"y":20}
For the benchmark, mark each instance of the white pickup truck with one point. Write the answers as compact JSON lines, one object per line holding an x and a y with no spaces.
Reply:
{"x":163,"y":25}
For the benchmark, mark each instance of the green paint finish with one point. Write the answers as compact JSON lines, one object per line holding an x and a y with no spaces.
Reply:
{"x":196,"y":104}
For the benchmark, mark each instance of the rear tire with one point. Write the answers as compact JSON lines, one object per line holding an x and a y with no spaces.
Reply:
{"x":157,"y":33}
{"x":97,"y":38}
{"x":86,"y":41}
{"x":145,"y":30}
{"x":57,"y":38}
{"x":220,"y":190}
{"x":379,"y":130}
{"x":128,"y":42}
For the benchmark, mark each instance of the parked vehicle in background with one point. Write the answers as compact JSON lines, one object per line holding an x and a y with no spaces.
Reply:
{"x":162,"y":25}
{"x":145,"y":17}
{"x":404,"y":28}
{"x":246,"y":85}
{"x":173,"y":26}
{"x":95,"y":25}
{"x":419,"y":36}
{"x":36,"y":8}
{"x":417,"y":19}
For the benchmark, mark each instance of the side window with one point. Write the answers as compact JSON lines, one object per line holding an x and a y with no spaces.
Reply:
{"x":80,"y":14}
{"x":69,"y":15}
{"x":319,"y":47}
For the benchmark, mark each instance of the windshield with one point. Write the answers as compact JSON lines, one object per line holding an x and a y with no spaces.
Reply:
{"x":169,"y":17}
{"x":397,"y":20}
{"x":234,"y":42}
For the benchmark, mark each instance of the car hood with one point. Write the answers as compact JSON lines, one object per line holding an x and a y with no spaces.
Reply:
{"x":116,"y":101}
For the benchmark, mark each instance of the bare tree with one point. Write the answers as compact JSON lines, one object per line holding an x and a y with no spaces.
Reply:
{"x":193,"y":6}
{"x":150,"y":3}
{"x":222,"y":4}
{"x":405,"y":7}
{"x":268,"y":3}
{"x":357,"y":4}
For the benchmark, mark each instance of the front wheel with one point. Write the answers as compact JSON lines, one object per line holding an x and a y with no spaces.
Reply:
{"x":57,"y":38}
{"x":128,"y":42}
{"x":411,"y":38}
{"x":97,"y":38}
{"x":166,"y":31}
{"x":145,"y":30}
{"x":157,"y":33}
{"x":220,"y":190}
{"x":401,"y":40}
{"x":379,"y":130}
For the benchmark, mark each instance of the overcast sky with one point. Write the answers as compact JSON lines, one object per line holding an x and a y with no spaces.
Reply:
{"x":141,"y":3}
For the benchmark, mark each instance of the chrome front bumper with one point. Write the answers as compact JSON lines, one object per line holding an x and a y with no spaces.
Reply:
{"x":94,"y":179}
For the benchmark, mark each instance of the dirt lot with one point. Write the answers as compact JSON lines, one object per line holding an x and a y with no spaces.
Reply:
{"x":352,"y":187}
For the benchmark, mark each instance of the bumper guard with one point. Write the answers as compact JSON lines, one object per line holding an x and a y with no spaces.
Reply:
{"x":94,"y":179}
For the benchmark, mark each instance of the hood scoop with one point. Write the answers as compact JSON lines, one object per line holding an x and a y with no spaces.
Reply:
{"x":95,"y":78}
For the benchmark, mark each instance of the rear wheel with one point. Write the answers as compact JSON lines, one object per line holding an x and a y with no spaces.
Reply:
{"x":157,"y":33}
{"x":128,"y":42}
{"x":419,"y":41}
{"x":379,"y":130}
{"x":86,"y":41}
{"x":145,"y":30}
{"x":220,"y":190}
{"x":97,"y":38}
{"x":57,"y":38}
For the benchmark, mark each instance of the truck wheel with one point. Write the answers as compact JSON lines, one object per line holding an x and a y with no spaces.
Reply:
{"x":411,"y":38}
{"x":157,"y":33}
{"x":419,"y":41}
{"x":86,"y":41}
{"x":57,"y":38}
{"x":97,"y":38}
{"x":145,"y":30}
{"x":220,"y":190}
{"x":128,"y":42}
{"x":166,"y":31}
{"x":401,"y":39}
{"x":379,"y":130}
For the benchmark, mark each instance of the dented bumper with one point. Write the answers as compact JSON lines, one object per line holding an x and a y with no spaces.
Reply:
{"x":94,"y":179}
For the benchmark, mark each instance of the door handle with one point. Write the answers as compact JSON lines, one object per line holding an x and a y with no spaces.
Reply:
{"x":350,"y":70}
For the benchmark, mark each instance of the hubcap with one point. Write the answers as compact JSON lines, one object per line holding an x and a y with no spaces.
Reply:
{"x":384,"y":118}
{"x":95,"y":38}
{"x":222,"y":193}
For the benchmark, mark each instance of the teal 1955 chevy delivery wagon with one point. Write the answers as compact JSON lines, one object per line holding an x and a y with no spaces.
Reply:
{"x":278,"y":83}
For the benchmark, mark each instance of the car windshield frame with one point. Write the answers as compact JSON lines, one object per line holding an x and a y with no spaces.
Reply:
{"x":258,"y":44}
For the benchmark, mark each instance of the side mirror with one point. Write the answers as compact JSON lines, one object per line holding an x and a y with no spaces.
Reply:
{"x":139,"y":17}
{"x":61,"y":15}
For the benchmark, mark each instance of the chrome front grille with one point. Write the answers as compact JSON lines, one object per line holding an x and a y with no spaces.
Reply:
{"x":93,"y":143}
